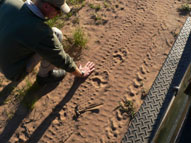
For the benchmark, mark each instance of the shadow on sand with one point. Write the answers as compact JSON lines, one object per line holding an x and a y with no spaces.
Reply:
{"x":32,"y":95}
{"x":7,"y":91}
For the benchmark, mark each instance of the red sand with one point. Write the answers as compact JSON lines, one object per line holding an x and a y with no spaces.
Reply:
{"x":128,"y":51}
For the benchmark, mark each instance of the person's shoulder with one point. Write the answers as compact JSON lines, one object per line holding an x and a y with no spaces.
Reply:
{"x":44,"y":29}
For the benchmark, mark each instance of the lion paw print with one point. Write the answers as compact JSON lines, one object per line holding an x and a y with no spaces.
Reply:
{"x":100,"y":79}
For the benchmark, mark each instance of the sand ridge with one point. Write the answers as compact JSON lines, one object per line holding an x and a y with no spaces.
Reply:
{"x":128,"y":50}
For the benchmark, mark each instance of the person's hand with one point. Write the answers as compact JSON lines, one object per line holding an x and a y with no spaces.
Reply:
{"x":87,"y":69}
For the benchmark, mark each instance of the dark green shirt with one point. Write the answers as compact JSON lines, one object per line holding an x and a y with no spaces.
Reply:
{"x":22,"y":34}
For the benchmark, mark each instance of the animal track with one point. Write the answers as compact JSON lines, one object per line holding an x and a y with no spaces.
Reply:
{"x":100,"y":80}
{"x":119,"y":56}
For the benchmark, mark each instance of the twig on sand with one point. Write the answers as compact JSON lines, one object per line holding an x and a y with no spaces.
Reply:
{"x":91,"y":107}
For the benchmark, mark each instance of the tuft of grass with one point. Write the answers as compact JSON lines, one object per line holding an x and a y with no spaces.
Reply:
{"x":76,"y":20}
{"x":27,"y":94}
{"x":74,"y":2}
{"x":96,"y":7}
{"x":21,"y":92}
{"x":106,"y":4}
{"x":52,"y":22}
{"x":68,"y":15}
{"x":96,"y":17}
{"x":79,"y":38}
{"x":9,"y":114}
{"x":126,"y":106}
{"x":30,"y":96}
{"x":184,"y":9}
{"x":74,"y":44}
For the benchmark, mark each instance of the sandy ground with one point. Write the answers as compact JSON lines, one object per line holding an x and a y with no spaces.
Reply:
{"x":128,"y":46}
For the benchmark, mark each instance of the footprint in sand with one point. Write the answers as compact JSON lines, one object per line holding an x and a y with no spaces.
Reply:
{"x":112,"y":130}
{"x":100,"y":79}
{"x":119,"y":56}
{"x":137,"y":84}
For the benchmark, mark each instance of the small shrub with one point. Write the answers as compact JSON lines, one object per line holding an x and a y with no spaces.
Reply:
{"x":184,"y":9}
{"x":126,"y":106}
{"x":79,"y":38}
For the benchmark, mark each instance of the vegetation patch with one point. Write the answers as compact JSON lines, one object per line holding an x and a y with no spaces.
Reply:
{"x":184,"y":9}
{"x":52,"y":22}
{"x":74,"y":45}
{"x":27,"y":94}
{"x":74,"y":2}
{"x":30,"y":96}
{"x":96,"y":7}
{"x":79,"y":37}
{"x":126,"y":106}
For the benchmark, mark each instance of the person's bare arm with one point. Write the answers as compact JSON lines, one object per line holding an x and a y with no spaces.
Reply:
{"x":84,"y":71}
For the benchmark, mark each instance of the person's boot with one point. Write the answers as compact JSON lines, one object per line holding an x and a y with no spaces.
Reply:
{"x":53,"y":76}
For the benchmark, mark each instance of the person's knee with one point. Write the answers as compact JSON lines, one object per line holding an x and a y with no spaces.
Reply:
{"x":34,"y":60}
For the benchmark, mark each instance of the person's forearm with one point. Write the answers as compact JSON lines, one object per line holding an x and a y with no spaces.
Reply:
{"x":77,"y":72}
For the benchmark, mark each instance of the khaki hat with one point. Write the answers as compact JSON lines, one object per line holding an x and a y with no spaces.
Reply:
{"x":59,"y":4}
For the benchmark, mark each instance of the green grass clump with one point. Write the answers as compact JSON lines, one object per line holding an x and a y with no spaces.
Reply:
{"x":31,"y":96}
{"x":52,"y":22}
{"x":126,"y":106}
{"x":21,"y":92}
{"x":96,"y":7}
{"x":74,"y":2}
{"x":74,"y":44}
{"x":79,"y":38}
{"x":184,"y":9}
{"x":27,"y":94}
{"x":106,"y":4}
{"x":96,"y":17}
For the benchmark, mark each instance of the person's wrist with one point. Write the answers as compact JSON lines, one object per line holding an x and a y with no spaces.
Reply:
{"x":82,"y":73}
